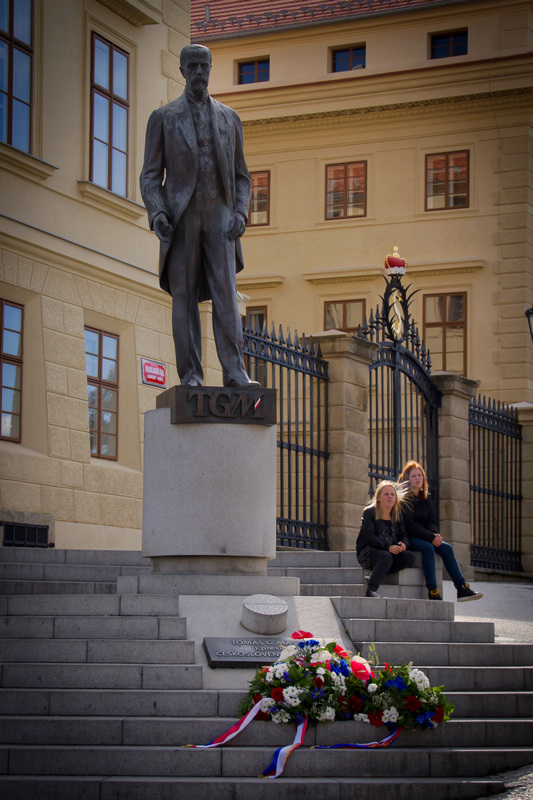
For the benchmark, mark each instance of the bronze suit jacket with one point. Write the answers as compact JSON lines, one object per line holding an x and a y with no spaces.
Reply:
{"x":170,"y":169}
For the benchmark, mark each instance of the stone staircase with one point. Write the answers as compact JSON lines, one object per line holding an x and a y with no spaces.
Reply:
{"x":99,"y":691}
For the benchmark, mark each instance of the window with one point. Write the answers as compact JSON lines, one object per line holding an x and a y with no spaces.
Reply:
{"x":348,"y":58}
{"x":11,"y":364}
{"x":259,"y":213}
{"x":453,"y":43}
{"x":344,"y":315}
{"x":445,"y":331}
{"x":16,"y":53}
{"x":254,"y":71}
{"x":346,"y":190}
{"x":101,"y":363}
{"x":109,"y":116}
{"x":447,"y":180}
{"x":256,"y":318}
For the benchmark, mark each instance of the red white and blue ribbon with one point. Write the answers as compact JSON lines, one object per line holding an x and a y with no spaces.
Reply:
{"x":281,"y":756}
{"x":233,"y":731}
{"x":367,"y":746}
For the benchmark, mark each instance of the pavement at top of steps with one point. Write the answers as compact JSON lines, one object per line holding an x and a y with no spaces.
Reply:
{"x":508,"y":605}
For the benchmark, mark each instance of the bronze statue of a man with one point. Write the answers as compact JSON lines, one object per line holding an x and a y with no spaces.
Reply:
{"x":196,"y":188}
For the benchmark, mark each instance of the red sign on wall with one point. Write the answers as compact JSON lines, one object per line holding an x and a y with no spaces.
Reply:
{"x":153,"y":373}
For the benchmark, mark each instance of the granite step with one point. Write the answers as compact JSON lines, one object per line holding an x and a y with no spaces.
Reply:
{"x":57,"y":587}
{"x":332,"y":590}
{"x":29,"y":555}
{"x":392,"y":608}
{"x":101,"y":676}
{"x":434,"y":762}
{"x":90,"y":605}
{"x":60,"y":787}
{"x":319,"y":575}
{"x":180,"y":731}
{"x":448,"y":654}
{"x":418,"y":630}
{"x":68,"y":572}
{"x":92,"y":627}
{"x":141,"y":651}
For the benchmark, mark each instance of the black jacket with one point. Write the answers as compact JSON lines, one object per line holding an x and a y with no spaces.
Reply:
{"x":374,"y":533}
{"x":420,"y":518}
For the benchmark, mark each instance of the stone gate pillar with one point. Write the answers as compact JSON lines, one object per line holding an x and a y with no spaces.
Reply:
{"x":454,"y":463}
{"x":349,"y":359}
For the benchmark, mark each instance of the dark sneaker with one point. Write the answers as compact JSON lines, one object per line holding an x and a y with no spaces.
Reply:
{"x":371,"y":593}
{"x":465,"y":593}
{"x":434,"y":594}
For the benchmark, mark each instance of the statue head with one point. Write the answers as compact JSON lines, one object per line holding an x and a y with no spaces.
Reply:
{"x":195,"y":66}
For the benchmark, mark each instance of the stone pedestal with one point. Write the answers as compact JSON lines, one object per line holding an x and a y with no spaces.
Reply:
{"x":209,"y":496}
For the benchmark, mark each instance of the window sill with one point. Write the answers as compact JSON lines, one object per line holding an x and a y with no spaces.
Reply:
{"x":109,"y":201}
{"x":138,"y":12}
{"x":24,"y":164}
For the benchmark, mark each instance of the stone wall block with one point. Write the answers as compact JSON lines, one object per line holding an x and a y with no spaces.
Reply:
{"x":99,"y":476}
{"x":9,"y":267}
{"x":152,"y":316}
{"x":58,"y":501}
{"x":60,"y":284}
{"x":95,"y":292}
{"x":132,"y":306}
{"x":67,"y":412}
{"x":56,"y":378}
{"x":87,"y":507}
{"x":147,"y":342}
{"x":121,"y":300}
{"x":128,"y":483}
{"x":16,"y":496}
{"x":77,"y":383}
{"x":24,"y":271}
{"x":64,"y":349}
{"x":73,"y":320}
{"x":177,"y":15}
{"x":80,"y":444}
{"x":52,"y":313}
{"x":59,"y":442}
{"x":72,"y":474}
{"x":82,"y":287}
{"x":38,"y":276}
{"x":119,"y":511}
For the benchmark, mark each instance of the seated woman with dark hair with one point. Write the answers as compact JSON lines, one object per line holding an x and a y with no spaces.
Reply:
{"x":424,"y":536}
{"x":382,"y":542}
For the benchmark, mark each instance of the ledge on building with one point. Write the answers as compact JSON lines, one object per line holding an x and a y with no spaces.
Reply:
{"x":266,"y":280}
{"x":25,"y":164}
{"x":104,"y":199}
{"x":345,"y":275}
{"x":138,"y":12}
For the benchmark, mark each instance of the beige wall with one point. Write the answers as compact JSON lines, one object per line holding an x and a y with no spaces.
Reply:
{"x":75,"y":254}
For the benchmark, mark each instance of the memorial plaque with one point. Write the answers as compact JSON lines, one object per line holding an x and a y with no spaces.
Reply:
{"x":244,"y":405}
{"x":245,"y":651}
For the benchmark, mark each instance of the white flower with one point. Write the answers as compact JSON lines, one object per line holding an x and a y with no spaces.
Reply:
{"x":371,"y":688}
{"x":320,"y":671}
{"x":291,"y":696}
{"x":419,"y":678}
{"x":278,"y":670}
{"x":266,"y":702}
{"x":361,"y":718}
{"x":390,"y":714}
{"x":319,"y":656}
{"x":327,"y":716}
{"x":280,"y":716}
{"x":289,"y":652}
{"x":269,"y":676}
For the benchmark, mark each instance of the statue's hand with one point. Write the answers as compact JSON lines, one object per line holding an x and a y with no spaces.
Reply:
{"x":238,"y":226}
{"x":162,"y":227}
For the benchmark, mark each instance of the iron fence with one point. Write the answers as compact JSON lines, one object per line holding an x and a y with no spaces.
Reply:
{"x":297,"y":370}
{"x":495,"y":485}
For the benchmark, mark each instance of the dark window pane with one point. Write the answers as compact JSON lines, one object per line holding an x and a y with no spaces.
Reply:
{"x":109,"y":370}
{"x":11,"y":400}
{"x":10,"y":426}
{"x":4,"y":66}
{"x":22,"y":21}
{"x":13,"y":318}
{"x":21,"y":126}
{"x":12,"y":343}
{"x":120,"y":75}
{"x":263,"y":70}
{"x":11,"y":376}
{"x":92,"y":342}
{"x":101,"y":63}
{"x":92,"y":395}
{"x":109,"y":399}
{"x":91,"y":365}
{"x":341,"y":61}
{"x":109,"y":422}
{"x":109,"y":347}
{"x":4,"y":15}
{"x":101,"y":118}
{"x":120,"y":128}
{"x":118,"y":173}
{"x":3,"y":118}
{"x":94,"y":442}
{"x":334,"y":316}
{"x":21,"y":76}
{"x":100,"y":164}
{"x":109,"y":445}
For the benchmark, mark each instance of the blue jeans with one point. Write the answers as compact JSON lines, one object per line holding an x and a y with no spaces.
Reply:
{"x":445,"y":551}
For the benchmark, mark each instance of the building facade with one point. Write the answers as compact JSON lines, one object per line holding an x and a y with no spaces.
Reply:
{"x":84,"y":322}
{"x":380,"y":124}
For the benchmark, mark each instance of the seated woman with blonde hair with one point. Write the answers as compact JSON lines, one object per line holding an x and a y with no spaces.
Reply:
{"x":382,"y":542}
{"x":424,"y":536}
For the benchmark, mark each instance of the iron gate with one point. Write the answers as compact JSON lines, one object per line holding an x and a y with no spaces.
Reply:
{"x":403,"y":402}
{"x":296,"y":369}
{"x":495,"y":485}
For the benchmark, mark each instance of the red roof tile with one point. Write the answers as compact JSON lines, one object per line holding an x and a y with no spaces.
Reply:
{"x":226,"y":18}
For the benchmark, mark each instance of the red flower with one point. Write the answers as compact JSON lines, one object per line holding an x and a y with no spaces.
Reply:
{"x":319,"y":683}
{"x":257,"y":697}
{"x":376,"y":718}
{"x":361,"y":669}
{"x":438,"y":716}
{"x":340,"y":651}
{"x":277,"y":694}
{"x":412,"y":703}
{"x":355,"y":703}
{"x":301,"y":635}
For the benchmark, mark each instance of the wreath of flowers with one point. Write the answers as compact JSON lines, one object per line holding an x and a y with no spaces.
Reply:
{"x":324,"y":682}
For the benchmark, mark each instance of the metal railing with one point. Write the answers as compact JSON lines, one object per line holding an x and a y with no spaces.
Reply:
{"x":295,"y":368}
{"x":495,"y":485}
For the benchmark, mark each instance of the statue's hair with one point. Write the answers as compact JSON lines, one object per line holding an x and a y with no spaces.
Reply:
{"x":191,"y":49}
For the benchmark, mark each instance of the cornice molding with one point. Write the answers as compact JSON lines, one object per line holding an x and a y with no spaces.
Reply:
{"x":109,"y":201}
{"x":371,"y":273}
{"x":137,"y":12}
{"x":25,"y":164}
{"x":264,"y":281}
{"x":469,"y":102}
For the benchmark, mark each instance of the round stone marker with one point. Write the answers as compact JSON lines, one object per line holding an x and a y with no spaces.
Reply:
{"x":264,"y":613}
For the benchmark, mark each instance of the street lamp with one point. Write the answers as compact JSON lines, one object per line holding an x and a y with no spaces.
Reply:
{"x":529,"y":314}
